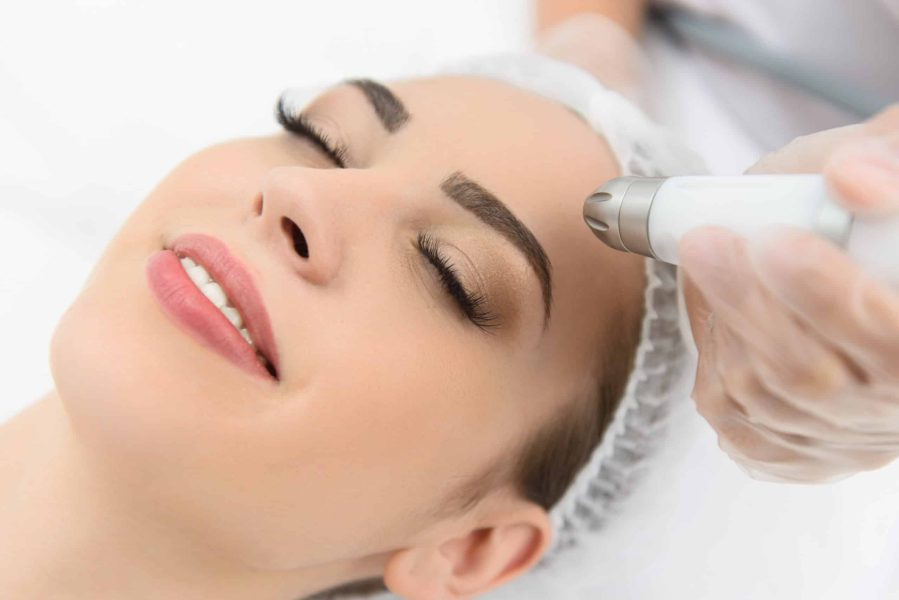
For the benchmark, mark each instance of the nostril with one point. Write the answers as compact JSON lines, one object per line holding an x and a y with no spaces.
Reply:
{"x":296,"y":234}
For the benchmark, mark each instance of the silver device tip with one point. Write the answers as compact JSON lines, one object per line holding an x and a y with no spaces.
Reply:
{"x":618,"y":212}
{"x":602,"y":209}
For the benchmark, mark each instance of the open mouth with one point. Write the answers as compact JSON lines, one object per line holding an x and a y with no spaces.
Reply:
{"x":216,"y":294}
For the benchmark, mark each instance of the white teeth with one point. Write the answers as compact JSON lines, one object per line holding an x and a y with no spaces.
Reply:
{"x":198,"y":275}
{"x":212,"y":290}
{"x":233,"y":315}
{"x":215,"y":293}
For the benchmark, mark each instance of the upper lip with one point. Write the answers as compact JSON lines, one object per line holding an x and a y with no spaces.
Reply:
{"x":238,"y":284}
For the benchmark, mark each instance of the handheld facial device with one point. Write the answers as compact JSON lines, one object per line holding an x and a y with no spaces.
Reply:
{"x":648,"y":215}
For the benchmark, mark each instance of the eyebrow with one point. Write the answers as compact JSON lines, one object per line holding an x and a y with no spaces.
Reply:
{"x":467,"y":193}
{"x":390,"y":110}
{"x":491,"y":210}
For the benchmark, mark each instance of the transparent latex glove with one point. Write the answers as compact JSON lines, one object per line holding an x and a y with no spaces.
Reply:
{"x":798,"y":367}
{"x":601,"y":47}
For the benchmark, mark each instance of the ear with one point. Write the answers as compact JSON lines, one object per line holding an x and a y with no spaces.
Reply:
{"x":469,"y":565}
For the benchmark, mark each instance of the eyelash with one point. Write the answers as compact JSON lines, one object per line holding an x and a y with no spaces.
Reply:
{"x":299,"y":124}
{"x":473,"y":305}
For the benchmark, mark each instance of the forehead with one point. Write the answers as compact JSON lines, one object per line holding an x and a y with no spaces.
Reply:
{"x":508,"y":136}
{"x":539,"y":157}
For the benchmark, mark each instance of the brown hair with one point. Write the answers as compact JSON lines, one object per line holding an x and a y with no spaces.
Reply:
{"x":548,"y":460}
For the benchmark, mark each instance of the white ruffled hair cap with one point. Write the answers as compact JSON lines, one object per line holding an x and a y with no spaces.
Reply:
{"x":663,"y":366}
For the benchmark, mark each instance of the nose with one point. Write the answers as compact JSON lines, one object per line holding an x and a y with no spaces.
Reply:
{"x":300,"y":224}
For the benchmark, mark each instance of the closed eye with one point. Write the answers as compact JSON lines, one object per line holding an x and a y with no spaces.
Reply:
{"x":473,"y":305}
{"x":299,"y":124}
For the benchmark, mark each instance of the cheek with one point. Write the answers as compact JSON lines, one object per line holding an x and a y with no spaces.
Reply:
{"x":396,"y":409}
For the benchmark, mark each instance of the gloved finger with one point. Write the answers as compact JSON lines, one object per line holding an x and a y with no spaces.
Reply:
{"x":864,"y":174}
{"x":875,"y":447}
{"x":762,"y":453}
{"x":769,"y":455}
{"x":867,"y":423}
{"x":708,"y":394}
{"x":800,"y":368}
{"x":808,"y":153}
{"x":740,"y":435}
{"x":883,"y":123}
{"x":833,"y":296}
{"x":752,"y":444}
{"x":764,"y":405}
{"x":698,"y":312}
{"x":817,"y":472}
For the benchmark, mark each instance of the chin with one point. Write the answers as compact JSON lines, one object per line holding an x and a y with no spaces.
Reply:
{"x":128,"y":390}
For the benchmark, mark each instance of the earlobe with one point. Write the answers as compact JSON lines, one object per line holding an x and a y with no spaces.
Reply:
{"x":416,"y":574}
{"x":466,"y":566}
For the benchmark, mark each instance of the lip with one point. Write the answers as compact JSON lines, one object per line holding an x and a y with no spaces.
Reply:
{"x":183,"y":301}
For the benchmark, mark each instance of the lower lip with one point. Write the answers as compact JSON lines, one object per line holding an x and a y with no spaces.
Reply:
{"x":186,"y":305}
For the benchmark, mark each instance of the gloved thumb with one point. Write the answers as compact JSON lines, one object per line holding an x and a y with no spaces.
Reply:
{"x":864,"y":174}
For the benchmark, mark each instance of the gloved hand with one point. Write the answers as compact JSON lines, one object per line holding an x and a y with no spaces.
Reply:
{"x":798,"y":367}
{"x":602,"y":47}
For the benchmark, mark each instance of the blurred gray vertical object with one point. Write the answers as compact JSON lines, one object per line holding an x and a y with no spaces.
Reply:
{"x":720,"y":37}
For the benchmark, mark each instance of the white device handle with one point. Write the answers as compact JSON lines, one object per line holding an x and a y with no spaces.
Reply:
{"x":749,"y":204}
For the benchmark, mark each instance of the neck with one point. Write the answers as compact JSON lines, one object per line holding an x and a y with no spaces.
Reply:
{"x":71,"y":530}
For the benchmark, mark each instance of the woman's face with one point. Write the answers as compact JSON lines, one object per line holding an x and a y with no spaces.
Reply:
{"x":388,"y":394}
